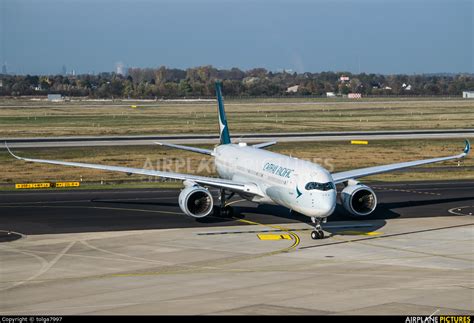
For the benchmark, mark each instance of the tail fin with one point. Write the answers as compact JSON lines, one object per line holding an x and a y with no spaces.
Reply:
{"x":224,"y":129}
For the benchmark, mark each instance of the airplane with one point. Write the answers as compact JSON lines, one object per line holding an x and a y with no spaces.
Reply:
{"x":265,"y":177}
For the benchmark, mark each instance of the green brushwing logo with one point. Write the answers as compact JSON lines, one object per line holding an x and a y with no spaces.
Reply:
{"x":298,"y":193}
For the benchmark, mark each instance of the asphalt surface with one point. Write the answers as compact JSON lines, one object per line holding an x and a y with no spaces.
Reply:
{"x":82,"y":141}
{"x":52,"y":212}
{"x":413,"y":257}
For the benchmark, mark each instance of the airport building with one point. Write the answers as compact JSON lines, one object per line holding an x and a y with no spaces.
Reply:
{"x":354,"y":95}
{"x":468,"y":94}
{"x":55,"y":97}
{"x":292,"y":89}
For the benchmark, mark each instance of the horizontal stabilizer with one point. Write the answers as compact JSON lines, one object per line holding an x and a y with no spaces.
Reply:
{"x":264,"y":144}
{"x":193,"y":149}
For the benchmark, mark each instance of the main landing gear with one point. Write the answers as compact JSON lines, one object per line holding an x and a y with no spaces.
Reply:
{"x":225,"y":210}
{"x":318,"y":232}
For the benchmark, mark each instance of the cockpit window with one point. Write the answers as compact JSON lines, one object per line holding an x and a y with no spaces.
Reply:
{"x":320,"y":186}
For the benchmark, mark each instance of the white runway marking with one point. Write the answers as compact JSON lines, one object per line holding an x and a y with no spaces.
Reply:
{"x":458,"y":210}
{"x":87,"y":244}
{"x":45,"y":265}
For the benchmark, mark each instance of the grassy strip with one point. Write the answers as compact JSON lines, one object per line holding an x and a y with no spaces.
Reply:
{"x":28,"y":119}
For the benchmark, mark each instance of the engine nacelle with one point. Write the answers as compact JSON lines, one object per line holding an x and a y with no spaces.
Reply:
{"x":196,"y":201}
{"x":359,"y":200}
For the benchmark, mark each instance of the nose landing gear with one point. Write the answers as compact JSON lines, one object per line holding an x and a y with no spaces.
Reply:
{"x":318,"y":232}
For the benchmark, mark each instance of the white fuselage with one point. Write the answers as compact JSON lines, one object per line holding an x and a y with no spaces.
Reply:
{"x":299,"y":185}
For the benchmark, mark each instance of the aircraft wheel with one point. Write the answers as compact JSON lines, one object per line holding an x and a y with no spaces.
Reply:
{"x":321,"y":234}
{"x":315,"y":235}
{"x":227,"y":212}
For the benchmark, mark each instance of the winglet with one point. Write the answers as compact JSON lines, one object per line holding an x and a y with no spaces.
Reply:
{"x":467,"y":149}
{"x":8,"y":148}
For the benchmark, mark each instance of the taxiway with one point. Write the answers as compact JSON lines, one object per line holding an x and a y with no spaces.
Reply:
{"x":133,"y":252}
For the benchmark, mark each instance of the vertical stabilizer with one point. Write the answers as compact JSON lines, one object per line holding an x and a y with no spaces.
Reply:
{"x":223,"y":128}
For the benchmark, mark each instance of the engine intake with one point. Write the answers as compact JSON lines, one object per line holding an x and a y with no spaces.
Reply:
{"x":196,"y":201}
{"x":359,"y":200}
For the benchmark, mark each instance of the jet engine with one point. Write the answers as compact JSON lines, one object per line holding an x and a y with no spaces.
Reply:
{"x":359,"y":200}
{"x":196,"y":201}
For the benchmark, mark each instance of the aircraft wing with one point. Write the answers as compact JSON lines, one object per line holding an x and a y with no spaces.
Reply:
{"x":356,"y":173}
{"x":208,"y":181}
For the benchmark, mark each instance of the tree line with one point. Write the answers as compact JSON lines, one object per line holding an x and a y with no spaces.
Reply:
{"x":164,"y":82}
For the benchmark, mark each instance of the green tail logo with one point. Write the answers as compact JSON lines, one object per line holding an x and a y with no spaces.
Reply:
{"x":224,"y":130}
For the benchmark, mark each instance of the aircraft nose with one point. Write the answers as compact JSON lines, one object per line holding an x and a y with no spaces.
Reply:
{"x":327,"y":209}
{"x":327,"y":206}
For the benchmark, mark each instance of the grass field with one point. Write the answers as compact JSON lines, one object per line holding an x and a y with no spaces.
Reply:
{"x":26,"y":118}
{"x":336,"y":156}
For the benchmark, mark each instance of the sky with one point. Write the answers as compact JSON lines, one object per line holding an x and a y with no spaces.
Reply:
{"x":371,"y":36}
